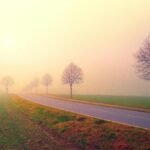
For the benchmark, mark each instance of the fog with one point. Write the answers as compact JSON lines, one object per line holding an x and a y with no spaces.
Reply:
{"x":38,"y":37}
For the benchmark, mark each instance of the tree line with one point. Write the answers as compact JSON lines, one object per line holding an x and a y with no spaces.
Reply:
{"x":71,"y":75}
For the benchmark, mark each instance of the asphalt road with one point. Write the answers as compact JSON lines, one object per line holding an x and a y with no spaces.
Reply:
{"x":133,"y":118}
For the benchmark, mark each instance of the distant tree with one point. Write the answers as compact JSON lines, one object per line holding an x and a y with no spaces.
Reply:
{"x":72,"y":75}
{"x":27,"y":89}
{"x":7,"y":81}
{"x":34,"y":84}
{"x":47,"y":81}
{"x":143,"y":60}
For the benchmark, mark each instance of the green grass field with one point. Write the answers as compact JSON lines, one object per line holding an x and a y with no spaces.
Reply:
{"x":128,"y":101}
{"x":30,"y":126}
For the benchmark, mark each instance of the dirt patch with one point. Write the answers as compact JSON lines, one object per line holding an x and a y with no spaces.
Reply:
{"x":121,"y":144}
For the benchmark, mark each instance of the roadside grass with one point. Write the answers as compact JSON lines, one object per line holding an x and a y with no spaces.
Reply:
{"x":13,"y":134}
{"x":49,"y":118}
{"x":84,"y":132}
{"x":128,"y":101}
{"x":18,"y":131}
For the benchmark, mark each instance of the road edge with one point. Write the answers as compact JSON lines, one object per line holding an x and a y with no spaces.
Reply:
{"x":100,"y":104}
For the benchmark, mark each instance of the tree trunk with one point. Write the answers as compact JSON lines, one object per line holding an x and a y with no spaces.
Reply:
{"x":71,"y":91}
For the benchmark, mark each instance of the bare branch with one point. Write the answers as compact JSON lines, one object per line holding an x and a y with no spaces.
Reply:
{"x":72,"y":75}
{"x":47,"y":81}
{"x":143,"y":60}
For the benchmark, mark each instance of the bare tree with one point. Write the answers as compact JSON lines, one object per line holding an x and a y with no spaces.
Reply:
{"x":34,"y":84}
{"x":47,"y":81}
{"x":143,"y":60}
{"x":72,"y":75}
{"x":7,"y":81}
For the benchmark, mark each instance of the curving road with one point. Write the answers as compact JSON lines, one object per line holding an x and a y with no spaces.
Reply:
{"x":132,"y":118}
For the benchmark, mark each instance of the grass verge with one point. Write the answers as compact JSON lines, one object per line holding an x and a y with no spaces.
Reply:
{"x":126,"y":101}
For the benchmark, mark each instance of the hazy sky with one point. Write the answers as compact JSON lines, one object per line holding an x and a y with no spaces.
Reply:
{"x":101,"y":36}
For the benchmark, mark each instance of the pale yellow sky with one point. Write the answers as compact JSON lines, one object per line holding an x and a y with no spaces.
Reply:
{"x":100,"y":36}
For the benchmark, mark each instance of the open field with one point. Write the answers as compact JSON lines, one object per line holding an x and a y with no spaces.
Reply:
{"x":127,"y":101}
{"x":26,"y":125}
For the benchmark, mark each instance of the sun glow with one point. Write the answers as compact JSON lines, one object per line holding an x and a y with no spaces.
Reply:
{"x":8,"y":42}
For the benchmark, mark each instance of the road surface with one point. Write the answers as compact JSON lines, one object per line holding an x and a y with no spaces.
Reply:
{"x":133,"y":118}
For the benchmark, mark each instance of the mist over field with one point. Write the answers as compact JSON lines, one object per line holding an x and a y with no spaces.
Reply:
{"x":99,"y":36}
{"x":75,"y":74}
